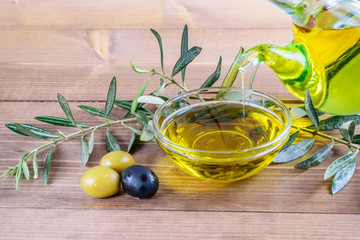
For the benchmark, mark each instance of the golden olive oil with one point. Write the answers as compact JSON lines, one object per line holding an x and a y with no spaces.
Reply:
{"x":211,"y":135}
{"x":335,"y":56}
{"x":325,"y":61}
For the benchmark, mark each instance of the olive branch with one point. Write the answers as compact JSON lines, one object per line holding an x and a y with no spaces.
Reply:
{"x":342,"y":169}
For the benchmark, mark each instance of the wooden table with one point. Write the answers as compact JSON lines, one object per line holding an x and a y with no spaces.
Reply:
{"x":75,"y":48}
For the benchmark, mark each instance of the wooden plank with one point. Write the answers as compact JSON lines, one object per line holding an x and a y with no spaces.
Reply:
{"x":79,"y":62}
{"x":278,"y":188}
{"x":128,"y":224}
{"x":92,"y":14}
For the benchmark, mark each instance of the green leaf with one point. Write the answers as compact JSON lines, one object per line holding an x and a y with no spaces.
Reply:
{"x":142,"y":118}
{"x":161,"y":89}
{"x":132,"y":140}
{"x":91,"y":141}
{"x":185,"y":59}
{"x":35,"y":166}
{"x":237,"y":95}
{"x":19,"y":168}
{"x":294,"y":151}
{"x":46,"y":170}
{"x":29,"y":130}
{"x":335,"y":122}
{"x":138,"y":132}
{"x":111,"y":143}
{"x":343,"y":177}
{"x":151,"y":100}
{"x":138,"y":94}
{"x":96,"y":112}
{"x":66,"y":108}
{"x":297,"y":113}
{"x":318,"y":112}
{"x":127,"y":106}
{"x":232,"y":73}
{"x":356,"y":139}
{"x":158,"y":37}
{"x":146,"y":135}
{"x":317,"y":158}
{"x":291,"y":139}
{"x":310,"y":110}
{"x":214,"y":76}
{"x":347,"y":130}
{"x":339,"y":164}
{"x":10,"y":170}
{"x":110,"y":97}
{"x":25,"y":169}
{"x":138,"y":70}
{"x":84,"y":151}
{"x":184,"y":49}
{"x":59,"y":121}
{"x":34,"y":130}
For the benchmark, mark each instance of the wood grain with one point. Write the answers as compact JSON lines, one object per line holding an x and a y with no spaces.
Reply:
{"x":92,"y":14}
{"x":75,"y":48}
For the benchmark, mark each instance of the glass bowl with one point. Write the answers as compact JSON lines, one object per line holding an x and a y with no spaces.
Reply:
{"x":222,"y":134}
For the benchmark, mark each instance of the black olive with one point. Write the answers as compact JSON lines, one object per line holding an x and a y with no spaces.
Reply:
{"x":139,"y":181}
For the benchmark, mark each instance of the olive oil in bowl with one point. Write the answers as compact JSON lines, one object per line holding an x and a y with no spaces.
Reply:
{"x":222,"y":140}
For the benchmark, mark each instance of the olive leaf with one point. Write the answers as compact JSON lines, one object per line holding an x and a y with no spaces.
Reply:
{"x":356,"y":139}
{"x":318,"y":112}
{"x":347,"y":130}
{"x":297,"y":113}
{"x":66,"y":108}
{"x":10,"y":170}
{"x":185,"y":59}
{"x":214,"y":76}
{"x":20,"y":167}
{"x":310,"y":110}
{"x":138,"y":94}
{"x":151,"y":100}
{"x":161,"y":89}
{"x":127,"y":106}
{"x":291,"y":139}
{"x":142,"y":118}
{"x":84,"y":151}
{"x":110,"y":97}
{"x":237,"y":95}
{"x":294,"y":151}
{"x":158,"y":37}
{"x":91,"y":141}
{"x":184,"y":49}
{"x":335,"y":122}
{"x":132,"y":140}
{"x":339,"y":164}
{"x":111,"y":143}
{"x":96,"y":112}
{"x":60,"y":121}
{"x":138,"y":70}
{"x":147,"y":133}
{"x":46,"y":170}
{"x":29,"y":130}
{"x":232,"y":73}
{"x":25,"y":169}
{"x":317,"y":158}
{"x":35,"y":166}
{"x":136,"y":131}
{"x":342,"y":177}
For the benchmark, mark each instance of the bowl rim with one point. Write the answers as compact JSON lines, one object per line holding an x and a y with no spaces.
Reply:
{"x":160,"y":137}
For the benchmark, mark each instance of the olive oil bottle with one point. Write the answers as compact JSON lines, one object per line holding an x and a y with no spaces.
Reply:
{"x":324,"y":56}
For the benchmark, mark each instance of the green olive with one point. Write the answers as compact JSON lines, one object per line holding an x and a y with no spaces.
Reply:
{"x":117,"y":160}
{"x":100,"y":182}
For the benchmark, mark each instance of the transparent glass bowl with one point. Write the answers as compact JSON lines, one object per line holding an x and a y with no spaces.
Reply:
{"x":210,"y":132}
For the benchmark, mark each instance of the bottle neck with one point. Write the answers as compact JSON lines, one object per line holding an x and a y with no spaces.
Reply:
{"x":303,"y":12}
